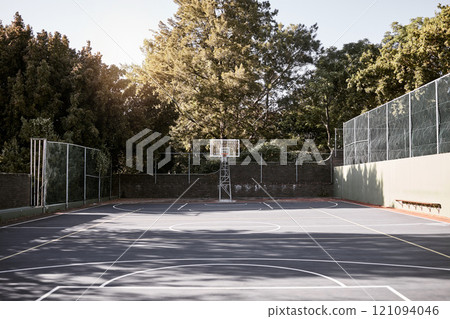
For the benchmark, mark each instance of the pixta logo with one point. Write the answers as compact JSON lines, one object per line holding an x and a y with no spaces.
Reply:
{"x":150,"y":143}
{"x":309,"y":152}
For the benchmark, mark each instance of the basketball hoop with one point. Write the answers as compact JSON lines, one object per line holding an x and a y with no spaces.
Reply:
{"x":224,"y":148}
{"x":225,"y":151}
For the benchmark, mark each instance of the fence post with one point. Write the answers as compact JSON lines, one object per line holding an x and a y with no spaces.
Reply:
{"x":38,"y":185}
{"x":387,"y":131}
{"x":84,"y":178}
{"x":31,"y":172}
{"x":260,"y":168}
{"x":410,"y":125}
{"x":354,"y":141}
{"x":44,"y":174}
{"x":110,"y":178}
{"x":368,"y":137}
{"x":189,"y":168}
{"x":437,"y":116}
{"x":344,"y":144}
{"x":335,"y":142}
{"x":99,"y":185}
{"x":67,"y":175}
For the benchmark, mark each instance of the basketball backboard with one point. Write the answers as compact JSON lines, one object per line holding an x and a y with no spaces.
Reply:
{"x":224,"y":148}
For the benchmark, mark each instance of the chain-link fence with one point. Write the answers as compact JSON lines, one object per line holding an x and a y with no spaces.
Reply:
{"x":67,"y":173}
{"x":415,"y":124}
{"x":259,"y":166}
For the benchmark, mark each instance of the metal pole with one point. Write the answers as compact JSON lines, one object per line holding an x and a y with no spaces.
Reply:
{"x":260,"y":169}
{"x":387,"y":131}
{"x":99,"y":185}
{"x":296,"y":172}
{"x":410,"y":125}
{"x":31,"y":172}
{"x":67,"y":175}
{"x":34,"y":173}
{"x":38,"y":175}
{"x":44,"y":174}
{"x":119,"y":195}
{"x":220,"y":177}
{"x":331,"y":170}
{"x":335,"y":142}
{"x":84,"y":178}
{"x":344,"y":144}
{"x":354,"y":141}
{"x":368,"y":138}
{"x":110,"y":180}
{"x":437,"y":118}
{"x":189,"y":168}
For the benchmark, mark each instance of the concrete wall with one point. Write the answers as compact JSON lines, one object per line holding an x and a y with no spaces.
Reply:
{"x":420,"y":179}
{"x":14,"y":190}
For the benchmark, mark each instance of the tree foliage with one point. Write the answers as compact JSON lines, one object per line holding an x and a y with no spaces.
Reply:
{"x":225,"y":65}
{"x":48,"y":89}
{"x":325,"y":100}
{"x":410,"y":56}
{"x":217,"y":69}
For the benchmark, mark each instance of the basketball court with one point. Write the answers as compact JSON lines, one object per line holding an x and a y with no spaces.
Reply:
{"x":225,"y":251}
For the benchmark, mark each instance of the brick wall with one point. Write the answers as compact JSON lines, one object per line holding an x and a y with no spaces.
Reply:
{"x":14,"y":190}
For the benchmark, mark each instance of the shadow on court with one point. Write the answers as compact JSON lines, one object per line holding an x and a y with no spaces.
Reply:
{"x":222,"y":265}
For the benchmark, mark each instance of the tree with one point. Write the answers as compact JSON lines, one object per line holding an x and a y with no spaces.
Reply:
{"x":325,"y":101}
{"x":410,"y":56}
{"x":144,"y":109}
{"x":225,"y":65}
{"x":72,"y":95}
{"x":14,"y":39}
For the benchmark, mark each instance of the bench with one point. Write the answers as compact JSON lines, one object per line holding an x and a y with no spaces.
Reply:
{"x":420,"y":204}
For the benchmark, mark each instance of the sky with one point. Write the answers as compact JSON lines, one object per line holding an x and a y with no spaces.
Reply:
{"x":117,"y":28}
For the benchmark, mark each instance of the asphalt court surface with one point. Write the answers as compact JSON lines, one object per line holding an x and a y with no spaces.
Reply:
{"x":266,"y":250}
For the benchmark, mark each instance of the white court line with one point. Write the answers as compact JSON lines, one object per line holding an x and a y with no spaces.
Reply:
{"x":48,"y":293}
{"x":139,"y":238}
{"x":268,"y":205}
{"x":49,"y":241}
{"x":300,"y":209}
{"x":309,"y":235}
{"x":394,"y":212}
{"x":131,"y":210}
{"x":123,"y":209}
{"x":226,"y":204}
{"x":182,"y":206}
{"x":384,"y":233}
{"x":55,"y":215}
{"x":88,"y":214}
{"x":39,"y":227}
{"x":222,"y":259}
{"x":142,"y":211}
{"x":224,"y":264}
{"x":335,"y":204}
{"x":395,"y":292}
{"x":369,"y":225}
{"x":28,"y":221}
